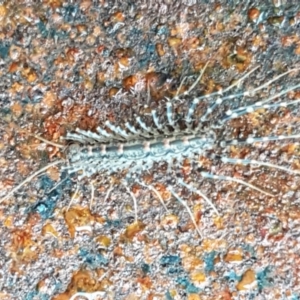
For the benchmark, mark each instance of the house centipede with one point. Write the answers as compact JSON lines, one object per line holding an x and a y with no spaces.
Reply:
{"x":136,"y":148}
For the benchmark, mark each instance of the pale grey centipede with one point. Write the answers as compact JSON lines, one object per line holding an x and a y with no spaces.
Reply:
{"x":136,"y":148}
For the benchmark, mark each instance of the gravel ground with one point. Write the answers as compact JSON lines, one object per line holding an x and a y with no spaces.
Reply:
{"x":76,"y":64}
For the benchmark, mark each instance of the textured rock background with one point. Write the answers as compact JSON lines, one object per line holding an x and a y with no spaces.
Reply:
{"x":69,"y":64}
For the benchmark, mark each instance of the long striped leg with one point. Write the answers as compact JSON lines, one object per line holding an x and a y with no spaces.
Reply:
{"x":252,"y":140}
{"x":155,"y":191}
{"x":183,"y":203}
{"x":73,"y":197}
{"x":57,"y":185}
{"x":194,"y":190}
{"x":84,"y":136}
{"x":31,"y":177}
{"x":242,"y":182}
{"x":238,"y":111}
{"x":124,"y":183}
{"x":92,"y":195}
{"x":232,"y":114}
{"x":117,"y":130}
{"x":170,"y":114}
{"x":219,"y":100}
{"x":238,"y":161}
{"x":188,"y":118}
{"x":156,"y":119}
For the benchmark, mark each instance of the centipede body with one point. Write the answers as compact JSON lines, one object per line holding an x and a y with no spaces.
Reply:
{"x":134,"y":148}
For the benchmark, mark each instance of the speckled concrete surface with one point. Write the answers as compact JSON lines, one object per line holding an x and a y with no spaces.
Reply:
{"x":69,"y":64}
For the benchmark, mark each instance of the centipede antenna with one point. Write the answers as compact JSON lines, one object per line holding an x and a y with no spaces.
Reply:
{"x":183,"y":203}
{"x":73,"y":197}
{"x":124,"y":183}
{"x":29,"y":178}
{"x":227,"y":178}
{"x":237,"y":82}
{"x":192,"y":189}
{"x":155,"y":191}
{"x":257,"y":162}
{"x":48,"y":142}
{"x":177,"y":95}
{"x":148,"y":92}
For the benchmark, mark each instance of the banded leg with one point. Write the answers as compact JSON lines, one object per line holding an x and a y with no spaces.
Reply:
{"x":155,"y":191}
{"x":257,"y":162}
{"x":188,"y":118}
{"x":142,"y":124}
{"x":124,"y":183}
{"x":242,"y":182}
{"x":222,"y":92}
{"x":220,"y":100}
{"x":93,"y":136}
{"x":73,"y":197}
{"x":117,"y":130}
{"x":92,"y":195}
{"x":252,"y":140}
{"x":78,"y":138}
{"x":131,"y":128}
{"x":84,"y":136}
{"x":136,"y":132}
{"x":156,"y":119}
{"x":31,"y":177}
{"x":170,"y":114}
{"x":194,"y":190}
{"x":232,"y":114}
